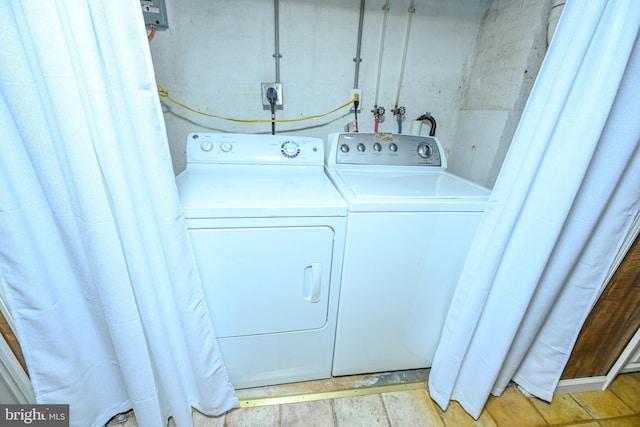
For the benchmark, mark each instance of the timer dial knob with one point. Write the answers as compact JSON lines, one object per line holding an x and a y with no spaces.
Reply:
{"x":206,"y":146}
{"x":425,"y":151}
{"x":290,"y":148}
{"x":226,"y":146}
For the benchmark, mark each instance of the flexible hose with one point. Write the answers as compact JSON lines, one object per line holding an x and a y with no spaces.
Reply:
{"x":151,"y":33}
{"x":273,"y":119}
{"x":432,"y":121}
{"x":162,"y":92}
{"x":355,"y":113}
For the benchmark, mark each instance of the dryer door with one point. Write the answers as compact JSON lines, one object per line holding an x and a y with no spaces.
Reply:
{"x":265,"y":280}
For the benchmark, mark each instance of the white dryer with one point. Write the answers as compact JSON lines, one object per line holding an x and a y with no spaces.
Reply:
{"x":267,"y":228}
{"x":410,"y":225}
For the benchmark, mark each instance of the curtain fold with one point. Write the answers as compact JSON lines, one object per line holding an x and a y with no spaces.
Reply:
{"x":563,"y":202}
{"x":95,"y":260}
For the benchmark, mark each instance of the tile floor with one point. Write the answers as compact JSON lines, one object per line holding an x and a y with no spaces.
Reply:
{"x":346,"y":402}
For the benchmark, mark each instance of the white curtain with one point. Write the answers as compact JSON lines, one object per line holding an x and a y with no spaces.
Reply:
{"x":566,"y":196}
{"x":95,"y":261}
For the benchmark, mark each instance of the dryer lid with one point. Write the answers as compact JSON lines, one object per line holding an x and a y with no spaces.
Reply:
{"x":234,"y":191}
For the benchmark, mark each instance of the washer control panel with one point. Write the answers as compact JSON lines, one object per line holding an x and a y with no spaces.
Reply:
{"x":254,"y":149}
{"x":386,"y":149}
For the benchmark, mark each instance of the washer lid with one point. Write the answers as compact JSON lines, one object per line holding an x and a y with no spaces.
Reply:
{"x":407,"y":184}
{"x":239,"y":191}
{"x":375,"y":189}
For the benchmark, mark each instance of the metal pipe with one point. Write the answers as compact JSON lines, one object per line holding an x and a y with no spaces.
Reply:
{"x":276,"y":55}
{"x":383,"y":30}
{"x":412,"y":10}
{"x":357,"y":59}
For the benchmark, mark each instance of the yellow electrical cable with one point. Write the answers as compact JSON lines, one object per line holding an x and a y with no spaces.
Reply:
{"x":165,"y":94}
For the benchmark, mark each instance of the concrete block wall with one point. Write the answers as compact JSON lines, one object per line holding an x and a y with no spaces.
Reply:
{"x":509,"y":52}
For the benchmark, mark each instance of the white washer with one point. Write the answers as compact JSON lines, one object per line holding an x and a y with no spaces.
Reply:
{"x":267,"y":228}
{"x":410,"y":224}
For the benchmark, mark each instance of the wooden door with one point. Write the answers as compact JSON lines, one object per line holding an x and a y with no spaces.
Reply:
{"x":611,"y":324}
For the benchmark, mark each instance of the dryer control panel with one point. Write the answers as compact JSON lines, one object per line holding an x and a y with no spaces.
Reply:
{"x":254,"y":149}
{"x":385,"y":149}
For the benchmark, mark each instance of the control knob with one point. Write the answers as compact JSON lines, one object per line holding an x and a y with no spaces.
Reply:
{"x":226,"y":146}
{"x":290,"y":148}
{"x":393,"y":147}
{"x":377,"y":147}
{"x":344,"y":148}
{"x":425,"y":151}
{"x":206,"y":146}
{"x":361,"y":147}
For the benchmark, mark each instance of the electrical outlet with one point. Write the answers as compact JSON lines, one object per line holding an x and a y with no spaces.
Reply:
{"x":278,"y":89}
{"x":353,"y":94}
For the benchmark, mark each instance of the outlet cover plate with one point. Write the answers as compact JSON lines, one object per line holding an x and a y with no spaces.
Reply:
{"x":277,"y":87}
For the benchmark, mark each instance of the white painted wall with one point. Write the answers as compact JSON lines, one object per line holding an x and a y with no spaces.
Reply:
{"x":215,"y":54}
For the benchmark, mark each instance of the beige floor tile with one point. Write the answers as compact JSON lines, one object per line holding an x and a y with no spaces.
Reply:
{"x":129,"y":421}
{"x":621,"y":422}
{"x":456,"y":416}
{"x":361,"y":411}
{"x":258,"y":416}
{"x":199,"y":420}
{"x":627,"y":388}
{"x":587,"y":424}
{"x":318,"y":413}
{"x":485,"y":420}
{"x":202,"y":420}
{"x":411,"y":408}
{"x":602,"y":404}
{"x":563,"y":409}
{"x":617,"y":407}
{"x":514,"y":409}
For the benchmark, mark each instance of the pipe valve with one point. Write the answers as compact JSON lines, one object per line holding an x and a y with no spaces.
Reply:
{"x":399,"y":113}
{"x":378,"y":113}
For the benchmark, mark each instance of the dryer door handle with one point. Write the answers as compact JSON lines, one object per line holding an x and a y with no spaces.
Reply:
{"x":312,"y":282}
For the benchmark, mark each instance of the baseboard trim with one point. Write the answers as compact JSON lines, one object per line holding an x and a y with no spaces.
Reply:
{"x":578,"y":385}
{"x":631,"y":367}
{"x":16,"y":387}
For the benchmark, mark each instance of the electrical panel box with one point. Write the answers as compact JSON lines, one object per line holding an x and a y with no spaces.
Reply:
{"x":155,"y":13}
